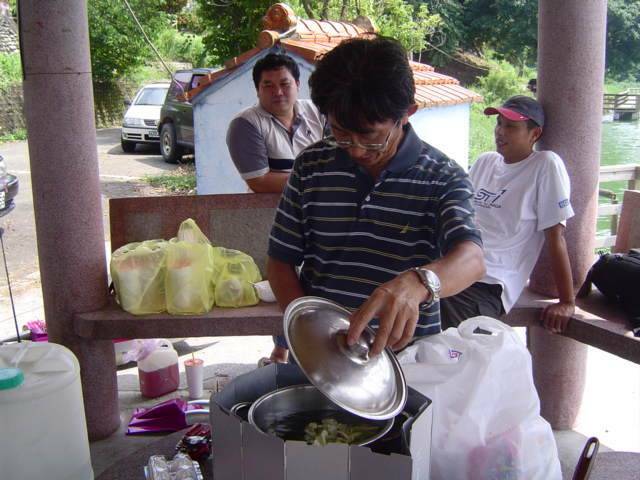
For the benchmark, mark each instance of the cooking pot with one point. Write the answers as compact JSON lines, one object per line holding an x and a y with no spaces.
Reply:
{"x":287,"y":411}
{"x":349,"y":385}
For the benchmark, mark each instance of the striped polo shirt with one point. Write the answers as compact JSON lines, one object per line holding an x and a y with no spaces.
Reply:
{"x":352,"y":233}
{"x":258,"y":142}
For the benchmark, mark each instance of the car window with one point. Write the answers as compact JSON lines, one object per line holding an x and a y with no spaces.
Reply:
{"x":195,"y":82}
{"x":152,"y":96}
{"x":179,"y":84}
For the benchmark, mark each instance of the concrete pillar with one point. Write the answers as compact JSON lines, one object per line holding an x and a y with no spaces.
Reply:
{"x":58,"y":100}
{"x":571,"y":48}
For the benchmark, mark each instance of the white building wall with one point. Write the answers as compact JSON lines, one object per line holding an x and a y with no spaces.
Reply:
{"x":447,"y":129}
{"x":212,"y":113}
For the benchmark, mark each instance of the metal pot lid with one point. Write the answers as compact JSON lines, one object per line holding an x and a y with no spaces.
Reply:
{"x":371,"y":387}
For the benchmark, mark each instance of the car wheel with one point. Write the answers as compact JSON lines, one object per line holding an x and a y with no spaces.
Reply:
{"x":171,"y":151}
{"x":127,"y":146}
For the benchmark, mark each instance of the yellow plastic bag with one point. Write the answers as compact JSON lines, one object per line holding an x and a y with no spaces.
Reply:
{"x":188,"y":278}
{"x":138,"y":271}
{"x":235,"y":273}
{"x":234,"y":287}
{"x":190,"y":232}
{"x":223,"y":256}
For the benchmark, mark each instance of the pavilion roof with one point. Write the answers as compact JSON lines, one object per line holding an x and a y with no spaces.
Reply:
{"x":311,"y":39}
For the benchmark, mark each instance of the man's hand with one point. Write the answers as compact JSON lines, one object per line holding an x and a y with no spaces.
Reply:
{"x":395,"y":304}
{"x":555,"y":317}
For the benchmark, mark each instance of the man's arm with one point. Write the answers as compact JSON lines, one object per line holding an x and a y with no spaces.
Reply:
{"x":284,"y":282}
{"x":271,"y":182}
{"x":248,"y":152}
{"x":556,"y":317}
{"x":396,"y":302}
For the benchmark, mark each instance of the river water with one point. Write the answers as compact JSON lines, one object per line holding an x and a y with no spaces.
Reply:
{"x":620,"y":145}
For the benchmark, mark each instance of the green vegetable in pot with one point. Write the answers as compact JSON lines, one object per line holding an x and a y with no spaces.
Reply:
{"x":332,"y":431}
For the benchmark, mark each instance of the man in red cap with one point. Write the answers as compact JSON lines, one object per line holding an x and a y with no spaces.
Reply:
{"x":521,"y":202}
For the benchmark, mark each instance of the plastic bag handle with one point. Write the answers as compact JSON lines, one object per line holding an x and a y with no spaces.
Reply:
{"x":468,"y":327}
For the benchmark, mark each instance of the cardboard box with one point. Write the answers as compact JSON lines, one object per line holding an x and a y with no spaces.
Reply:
{"x":241,"y":452}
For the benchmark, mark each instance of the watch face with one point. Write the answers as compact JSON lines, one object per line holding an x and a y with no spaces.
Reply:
{"x":434,"y":282}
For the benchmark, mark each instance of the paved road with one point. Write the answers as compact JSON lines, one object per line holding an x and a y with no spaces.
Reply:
{"x":120,"y":176}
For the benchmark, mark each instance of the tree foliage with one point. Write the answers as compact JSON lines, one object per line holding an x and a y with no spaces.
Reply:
{"x":509,"y":28}
{"x":117,"y":45}
{"x":232,"y":27}
{"x":410,"y":24}
{"x":12,"y":7}
{"x":623,"y":39}
{"x":502,"y":81}
{"x":181,"y":47}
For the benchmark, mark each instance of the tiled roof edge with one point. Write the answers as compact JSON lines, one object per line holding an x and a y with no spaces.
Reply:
{"x":311,"y":39}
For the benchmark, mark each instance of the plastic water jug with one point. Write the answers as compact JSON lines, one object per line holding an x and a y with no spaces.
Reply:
{"x":158,"y":371}
{"x":43,"y":432}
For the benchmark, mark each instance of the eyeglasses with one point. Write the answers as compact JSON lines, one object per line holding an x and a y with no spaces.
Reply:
{"x":372,"y":147}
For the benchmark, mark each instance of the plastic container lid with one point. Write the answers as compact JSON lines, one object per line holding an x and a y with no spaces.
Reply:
{"x":371,"y":387}
{"x":10,"y":378}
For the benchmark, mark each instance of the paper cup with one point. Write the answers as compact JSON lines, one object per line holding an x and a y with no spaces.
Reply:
{"x":194,"y":368}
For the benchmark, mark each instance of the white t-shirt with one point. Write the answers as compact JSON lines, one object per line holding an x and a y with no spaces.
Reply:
{"x":514,"y":204}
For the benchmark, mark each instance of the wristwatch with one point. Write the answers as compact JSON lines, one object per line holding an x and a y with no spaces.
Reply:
{"x":431,"y":282}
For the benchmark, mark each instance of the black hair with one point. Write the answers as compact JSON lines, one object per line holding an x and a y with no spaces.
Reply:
{"x":273,"y":61}
{"x":363,"y":81}
{"x":531,"y":124}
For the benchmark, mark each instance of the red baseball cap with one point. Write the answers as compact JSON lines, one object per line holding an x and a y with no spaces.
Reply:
{"x":519,"y":109}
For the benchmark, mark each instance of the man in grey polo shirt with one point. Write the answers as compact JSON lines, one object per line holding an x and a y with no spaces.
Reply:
{"x":263,"y":140}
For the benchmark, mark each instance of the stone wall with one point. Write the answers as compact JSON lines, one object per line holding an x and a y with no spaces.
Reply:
{"x":11,"y":116}
{"x":109,"y":106}
{"x":8,"y":34}
{"x":109,"y":102}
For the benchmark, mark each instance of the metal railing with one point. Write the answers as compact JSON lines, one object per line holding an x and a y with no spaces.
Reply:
{"x":627,"y":101}
{"x":614,"y":173}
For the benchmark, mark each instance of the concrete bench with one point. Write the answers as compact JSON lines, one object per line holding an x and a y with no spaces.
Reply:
{"x":239,"y":221}
{"x":596,"y":322}
{"x":243,"y":222}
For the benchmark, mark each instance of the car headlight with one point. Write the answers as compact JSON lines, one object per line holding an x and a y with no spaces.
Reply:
{"x":133,"y":122}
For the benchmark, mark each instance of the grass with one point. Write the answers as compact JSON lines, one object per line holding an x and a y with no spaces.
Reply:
{"x":481,"y":132}
{"x":10,"y":69}
{"x":616,"y":87}
{"x":147,"y":74}
{"x":20,"y":134}
{"x":182,"y":180}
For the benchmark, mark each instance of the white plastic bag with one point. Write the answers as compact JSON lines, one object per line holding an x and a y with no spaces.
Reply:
{"x":486,"y":411}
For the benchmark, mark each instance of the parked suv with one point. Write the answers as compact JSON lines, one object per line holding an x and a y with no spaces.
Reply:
{"x":176,"y":115}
